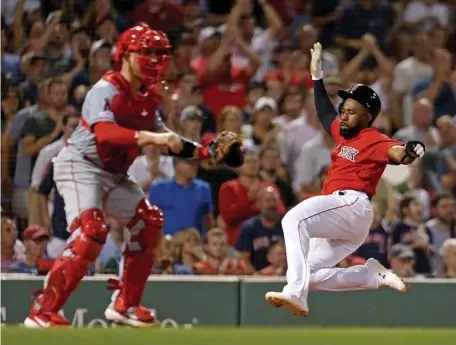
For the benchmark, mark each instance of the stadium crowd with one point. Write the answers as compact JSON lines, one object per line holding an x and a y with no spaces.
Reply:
{"x":238,"y":65}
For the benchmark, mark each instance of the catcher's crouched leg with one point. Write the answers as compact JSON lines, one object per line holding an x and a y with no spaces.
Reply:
{"x":138,"y":259}
{"x":68,"y":270}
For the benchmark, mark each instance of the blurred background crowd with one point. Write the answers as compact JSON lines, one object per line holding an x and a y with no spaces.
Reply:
{"x":243,"y":66}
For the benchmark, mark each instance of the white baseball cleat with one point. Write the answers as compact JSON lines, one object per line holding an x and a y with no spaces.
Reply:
{"x":387,"y":277}
{"x":281,"y":300}
{"x":134,"y":317}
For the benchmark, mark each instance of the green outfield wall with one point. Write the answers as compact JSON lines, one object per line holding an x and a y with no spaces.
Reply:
{"x":230,"y":301}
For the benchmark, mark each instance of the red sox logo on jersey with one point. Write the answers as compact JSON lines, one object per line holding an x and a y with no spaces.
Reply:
{"x":348,"y":152}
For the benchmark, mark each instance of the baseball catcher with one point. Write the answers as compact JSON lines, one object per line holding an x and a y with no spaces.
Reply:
{"x":90,"y":173}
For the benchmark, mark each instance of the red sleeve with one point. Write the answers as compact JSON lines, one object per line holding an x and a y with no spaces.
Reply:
{"x":381,"y":146}
{"x":335,"y":128}
{"x":270,"y":75}
{"x":308,"y":81}
{"x":112,"y":133}
{"x":234,"y":208}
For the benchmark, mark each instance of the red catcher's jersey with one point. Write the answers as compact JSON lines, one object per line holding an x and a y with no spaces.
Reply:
{"x":110,"y":100}
{"x":358,"y":162}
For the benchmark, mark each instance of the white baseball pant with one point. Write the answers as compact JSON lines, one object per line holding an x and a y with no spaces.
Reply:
{"x":320,"y":232}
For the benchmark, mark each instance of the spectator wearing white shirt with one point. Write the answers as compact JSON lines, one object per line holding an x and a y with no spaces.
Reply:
{"x":421,"y":128}
{"x":70,"y":122}
{"x":315,"y":155}
{"x":261,"y":41}
{"x":298,"y":132}
{"x":406,"y":74}
{"x":426,"y":15}
{"x":150,"y":166}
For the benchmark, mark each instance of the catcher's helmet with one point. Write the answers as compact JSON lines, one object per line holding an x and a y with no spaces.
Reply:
{"x":153,"y":49}
{"x":364,"y":95}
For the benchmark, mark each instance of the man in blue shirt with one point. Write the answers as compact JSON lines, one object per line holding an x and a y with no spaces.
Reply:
{"x":260,"y":232}
{"x":185,"y":200}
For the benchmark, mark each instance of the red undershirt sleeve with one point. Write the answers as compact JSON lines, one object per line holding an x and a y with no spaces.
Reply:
{"x":112,"y":133}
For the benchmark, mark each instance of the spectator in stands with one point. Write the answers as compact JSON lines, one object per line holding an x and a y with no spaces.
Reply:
{"x":35,"y":67}
{"x":262,"y":42}
{"x":306,"y":36}
{"x":159,"y":14}
{"x":263,"y":131}
{"x":377,"y":19}
{"x":406,"y":74}
{"x":11,"y":101}
{"x":315,"y":155}
{"x":99,"y":64}
{"x":191,"y":10}
{"x":277,"y":259}
{"x":69,"y":122}
{"x":402,"y":260}
{"x":100,"y":9}
{"x":370,"y":67}
{"x":151,"y":166}
{"x":216,"y":262}
{"x":414,"y":186}
{"x":40,"y":131}
{"x":439,"y":88}
{"x":333,"y":84}
{"x":421,"y":128}
{"x":35,"y":242}
{"x":291,"y":107}
{"x":10,"y":62}
{"x":274,"y":89}
{"x":13,"y":142}
{"x":260,"y":232}
{"x":446,"y":160}
{"x":109,"y":257}
{"x":324,"y":15}
{"x":237,"y":198}
{"x":412,"y":232}
{"x":106,"y":29}
{"x":209,"y":41}
{"x":255,"y":91}
{"x":12,"y":251}
{"x":442,"y":226}
{"x":215,"y":176}
{"x":447,"y":131}
{"x":298,"y":132}
{"x":224,"y":82}
{"x":184,"y":47}
{"x":376,"y":243}
{"x":448,"y":254}
{"x":185,"y":200}
{"x":231,"y":120}
{"x":285,"y":72}
{"x":191,"y":122}
{"x":271,"y":170}
{"x":426,"y":15}
{"x":189,"y":249}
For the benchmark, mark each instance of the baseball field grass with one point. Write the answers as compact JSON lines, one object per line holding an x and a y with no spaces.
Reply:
{"x":12,"y":335}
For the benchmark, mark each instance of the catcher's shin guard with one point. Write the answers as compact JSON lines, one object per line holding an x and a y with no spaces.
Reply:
{"x":139,"y":254}
{"x":73,"y":263}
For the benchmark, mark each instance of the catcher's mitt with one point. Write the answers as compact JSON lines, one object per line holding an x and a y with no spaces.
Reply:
{"x":226,"y":149}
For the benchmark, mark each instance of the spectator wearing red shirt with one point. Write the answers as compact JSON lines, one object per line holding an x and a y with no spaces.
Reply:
{"x":286,"y":73}
{"x":237,"y":198}
{"x":209,"y":41}
{"x":223,"y":83}
{"x":217,"y":263}
{"x":158,"y":14}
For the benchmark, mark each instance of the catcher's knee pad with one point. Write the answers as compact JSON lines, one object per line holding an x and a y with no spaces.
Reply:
{"x":93,"y":235}
{"x":146,"y":226}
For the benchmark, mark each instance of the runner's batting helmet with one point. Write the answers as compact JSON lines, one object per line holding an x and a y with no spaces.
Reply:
{"x":363,"y":94}
{"x":152,"y":48}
